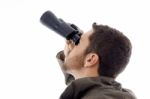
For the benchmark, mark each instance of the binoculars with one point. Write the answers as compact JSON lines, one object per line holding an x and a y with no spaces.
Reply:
{"x":66,"y":30}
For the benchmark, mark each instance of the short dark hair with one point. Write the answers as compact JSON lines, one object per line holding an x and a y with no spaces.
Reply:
{"x":112,"y":47}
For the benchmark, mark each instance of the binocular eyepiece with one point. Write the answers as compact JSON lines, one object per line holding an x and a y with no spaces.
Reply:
{"x":66,"y":30}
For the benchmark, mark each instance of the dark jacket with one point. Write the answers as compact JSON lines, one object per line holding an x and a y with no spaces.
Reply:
{"x":92,"y":87}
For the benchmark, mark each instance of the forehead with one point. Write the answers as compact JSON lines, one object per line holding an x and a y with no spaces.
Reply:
{"x":84,"y":40}
{"x":87,"y":34}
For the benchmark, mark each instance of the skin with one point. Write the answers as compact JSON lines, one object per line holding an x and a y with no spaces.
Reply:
{"x":76,"y":62}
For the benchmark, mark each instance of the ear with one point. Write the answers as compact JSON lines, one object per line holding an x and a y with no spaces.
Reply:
{"x":91,"y":59}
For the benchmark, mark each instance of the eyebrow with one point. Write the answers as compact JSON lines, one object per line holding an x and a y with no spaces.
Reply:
{"x":80,"y":34}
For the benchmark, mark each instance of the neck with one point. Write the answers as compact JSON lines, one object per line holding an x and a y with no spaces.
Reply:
{"x":84,"y":73}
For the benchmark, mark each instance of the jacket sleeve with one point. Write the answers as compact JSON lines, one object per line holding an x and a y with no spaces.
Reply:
{"x":60,"y":58}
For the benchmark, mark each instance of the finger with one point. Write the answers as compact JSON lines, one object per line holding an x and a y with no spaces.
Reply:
{"x":68,"y":41}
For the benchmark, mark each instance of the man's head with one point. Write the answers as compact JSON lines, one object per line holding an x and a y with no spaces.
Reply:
{"x":102,"y":50}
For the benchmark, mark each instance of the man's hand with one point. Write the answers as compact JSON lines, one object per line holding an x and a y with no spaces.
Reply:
{"x":70,"y":45}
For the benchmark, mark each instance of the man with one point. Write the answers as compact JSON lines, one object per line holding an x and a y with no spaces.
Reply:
{"x":91,"y":67}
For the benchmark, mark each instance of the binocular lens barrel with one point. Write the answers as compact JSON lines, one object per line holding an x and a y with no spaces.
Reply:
{"x":59,"y":26}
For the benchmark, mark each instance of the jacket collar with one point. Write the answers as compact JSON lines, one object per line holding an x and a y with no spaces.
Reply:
{"x":76,"y":89}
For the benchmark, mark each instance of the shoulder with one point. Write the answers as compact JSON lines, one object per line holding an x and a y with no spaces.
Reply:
{"x":108,"y":93}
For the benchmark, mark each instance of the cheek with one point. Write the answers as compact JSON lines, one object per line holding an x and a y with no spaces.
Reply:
{"x":75,"y":52}
{"x":74,"y":60}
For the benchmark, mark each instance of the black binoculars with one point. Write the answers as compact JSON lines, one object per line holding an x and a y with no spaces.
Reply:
{"x":66,"y":30}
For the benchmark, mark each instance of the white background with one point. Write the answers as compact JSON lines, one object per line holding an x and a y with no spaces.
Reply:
{"x":28,"y":67}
